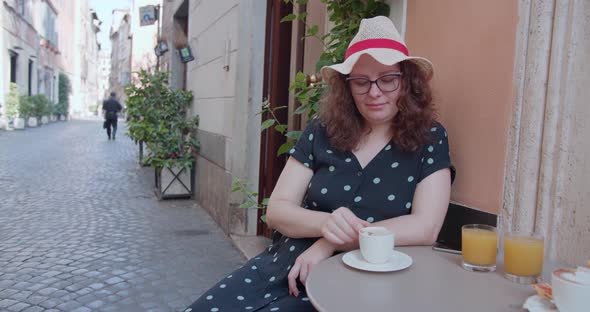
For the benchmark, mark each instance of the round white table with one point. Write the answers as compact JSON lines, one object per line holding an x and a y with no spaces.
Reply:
{"x":434,"y":282}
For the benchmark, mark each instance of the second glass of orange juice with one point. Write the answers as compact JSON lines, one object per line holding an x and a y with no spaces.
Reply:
{"x":479,"y":246}
{"x":523,"y":257}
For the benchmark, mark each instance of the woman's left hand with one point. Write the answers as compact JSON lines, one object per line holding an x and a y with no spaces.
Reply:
{"x":319,"y":251}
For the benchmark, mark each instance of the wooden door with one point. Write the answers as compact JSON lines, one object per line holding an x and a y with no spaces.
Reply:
{"x":286,"y":52}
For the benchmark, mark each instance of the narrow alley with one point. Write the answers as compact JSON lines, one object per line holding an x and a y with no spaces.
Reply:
{"x":81,"y":229}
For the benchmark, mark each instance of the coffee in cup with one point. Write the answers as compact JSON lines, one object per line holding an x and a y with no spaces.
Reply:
{"x":571,"y":289}
{"x":376,"y":244}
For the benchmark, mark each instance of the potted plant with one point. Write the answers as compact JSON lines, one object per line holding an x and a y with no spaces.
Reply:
{"x":63,"y":104}
{"x":25,"y":111}
{"x":158,"y":116}
{"x":12,"y":108}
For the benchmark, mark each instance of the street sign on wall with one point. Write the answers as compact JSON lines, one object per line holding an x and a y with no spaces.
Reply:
{"x":148,"y":15}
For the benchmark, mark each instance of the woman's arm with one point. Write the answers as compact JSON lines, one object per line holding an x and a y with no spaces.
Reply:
{"x":429,"y":208}
{"x":284,"y":212}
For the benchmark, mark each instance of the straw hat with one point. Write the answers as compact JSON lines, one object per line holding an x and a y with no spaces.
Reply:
{"x":378,"y":38}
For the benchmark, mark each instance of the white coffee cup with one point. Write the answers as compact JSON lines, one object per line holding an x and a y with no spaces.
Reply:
{"x":376,"y":244}
{"x":569,"y":294}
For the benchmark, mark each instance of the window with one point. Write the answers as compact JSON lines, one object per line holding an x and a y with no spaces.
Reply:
{"x":20,"y":7}
{"x":13,"y":65}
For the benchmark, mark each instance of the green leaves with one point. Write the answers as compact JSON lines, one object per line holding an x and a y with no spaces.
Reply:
{"x":158,"y":115}
{"x":267,"y":124}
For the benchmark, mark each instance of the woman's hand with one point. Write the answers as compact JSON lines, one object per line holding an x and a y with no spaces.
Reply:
{"x":342,"y":227}
{"x":319,"y":251}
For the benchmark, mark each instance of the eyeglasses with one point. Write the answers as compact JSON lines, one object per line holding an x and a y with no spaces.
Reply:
{"x":385,"y":83}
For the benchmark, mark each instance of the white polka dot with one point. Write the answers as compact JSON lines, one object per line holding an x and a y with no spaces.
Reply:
{"x":286,"y":239}
{"x":304,"y":299}
{"x":394,"y":165}
{"x":440,"y":142}
{"x":247,"y":280}
{"x":314,"y":204}
{"x":370,"y":219}
{"x":274,"y":309}
{"x":292,"y":248}
{"x":288,"y":268}
{"x":422,"y":160}
{"x":408,"y":205}
{"x":310,"y":157}
{"x":257,"y":258}
{"x":347,"y":188}
{"x":430,"y":148}
{"x":348,"y":160}
{"x":222,"y":286}
{"x":324,"y":190}
{"x":357,"y":199}
{"x":410,"y":178}
{"x":214,"y":309}
{"x":376,"y":180}
{"x":209,"y":297}
{"x":306,"y":165}
{"x":267,"y":296}
{"x":275,"y":259}
{"x":292,"y":151}
{"x":311,"y":136}
{"x":445,"y":134}
{"x":276,"y":253}
{"x":272,"y":279}
{"x":254,"y":267}
{"x":391,"y":197}
{"x":230,"y":276}
{"x":329,"y":151}
{"x":249,"y":308}
{"x":309,"y":186}
{"x":430,"y":161}
{"x":388,"y":147}
{"x":433,"y":129}
{"x":188,"y":310}
{"x":240,"y":298}
{"x":332,"y":168}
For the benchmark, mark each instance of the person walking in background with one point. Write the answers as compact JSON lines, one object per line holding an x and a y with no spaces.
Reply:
{"x":110,"y":109}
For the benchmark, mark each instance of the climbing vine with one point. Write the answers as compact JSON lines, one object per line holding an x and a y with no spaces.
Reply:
{"x":346,"y":16}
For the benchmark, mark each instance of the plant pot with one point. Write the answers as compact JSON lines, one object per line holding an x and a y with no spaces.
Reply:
{"x":44,"y":120}
{"x":53,"y":118}
{"x":18,"y":123}
{"x":62,"y":117}
{"x":175,"y":182}
{"x":32,"y":122}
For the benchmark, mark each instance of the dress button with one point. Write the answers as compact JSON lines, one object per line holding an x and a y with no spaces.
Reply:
{"x":360,"y":173}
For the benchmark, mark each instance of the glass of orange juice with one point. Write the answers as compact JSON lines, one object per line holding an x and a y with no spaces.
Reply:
{"x":523,"y":257}
{"x":479,"y":246}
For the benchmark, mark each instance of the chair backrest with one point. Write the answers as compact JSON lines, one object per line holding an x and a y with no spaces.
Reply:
{"x":457,"y":216}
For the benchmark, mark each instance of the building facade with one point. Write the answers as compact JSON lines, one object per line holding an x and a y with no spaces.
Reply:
{"x":27,"y":49}
{"x":104,"y":72}
{"x":509,"y":87}
{"x":121,"y":47}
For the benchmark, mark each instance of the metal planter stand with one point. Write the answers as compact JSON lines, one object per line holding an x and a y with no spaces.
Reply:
{"x":175,"y":183}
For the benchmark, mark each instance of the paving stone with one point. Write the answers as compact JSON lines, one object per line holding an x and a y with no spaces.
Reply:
{"x":77,"y":210}
{"x":18,"y":307}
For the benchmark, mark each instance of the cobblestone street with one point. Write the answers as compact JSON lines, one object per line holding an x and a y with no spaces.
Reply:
{"x":81,"y":229}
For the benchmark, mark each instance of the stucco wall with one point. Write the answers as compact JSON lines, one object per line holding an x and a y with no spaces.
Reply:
{"x":471,"y":44}
{"x":227,"y":96}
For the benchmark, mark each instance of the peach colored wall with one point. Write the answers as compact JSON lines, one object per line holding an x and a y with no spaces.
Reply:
{"x":472,"y":46}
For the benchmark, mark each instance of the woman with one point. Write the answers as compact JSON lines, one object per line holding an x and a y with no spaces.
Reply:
{"x":374,"y":156}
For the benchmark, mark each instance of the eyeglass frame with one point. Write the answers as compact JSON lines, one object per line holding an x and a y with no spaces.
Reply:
{"x":371,"y":82}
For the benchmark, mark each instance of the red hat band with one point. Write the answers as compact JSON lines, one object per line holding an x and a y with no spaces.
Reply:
{"x":376,"y":44}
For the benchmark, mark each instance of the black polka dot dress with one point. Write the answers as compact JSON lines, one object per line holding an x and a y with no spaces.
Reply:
{"x":383,"y":189}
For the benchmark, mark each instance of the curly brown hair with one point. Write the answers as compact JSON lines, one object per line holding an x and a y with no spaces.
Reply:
{"x":416,"y":115}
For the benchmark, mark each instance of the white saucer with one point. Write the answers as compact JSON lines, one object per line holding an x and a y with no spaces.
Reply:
{"x":398,"y":261}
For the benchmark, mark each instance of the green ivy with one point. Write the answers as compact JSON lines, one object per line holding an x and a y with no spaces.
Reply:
{"x":12,"y":101}
{"x":346,"y":16}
